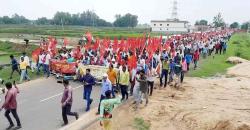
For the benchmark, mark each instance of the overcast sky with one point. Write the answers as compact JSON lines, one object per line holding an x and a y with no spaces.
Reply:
{"x":147,"y":10}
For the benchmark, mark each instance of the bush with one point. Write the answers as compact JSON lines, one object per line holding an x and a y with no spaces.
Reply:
{"x":140,"y":124}
{"x":235,"y":42}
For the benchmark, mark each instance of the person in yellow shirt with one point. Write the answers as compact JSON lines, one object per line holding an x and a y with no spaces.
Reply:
{"x":112,"y":76}
{"x":124,"y":82}
{"x":23,"y":67}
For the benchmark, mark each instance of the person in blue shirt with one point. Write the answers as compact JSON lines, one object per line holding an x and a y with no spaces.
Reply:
{"x":14,"y":66}
{"x":106,"y":86}
{"x":88,"y":81}
{"x":224,"y":48}
{"x":165,"y":54}
{"x":70,"y":59}
{"x":188,"y":58}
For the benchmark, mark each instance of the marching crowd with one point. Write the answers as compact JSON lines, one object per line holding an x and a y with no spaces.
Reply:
{"x":169,"y":64}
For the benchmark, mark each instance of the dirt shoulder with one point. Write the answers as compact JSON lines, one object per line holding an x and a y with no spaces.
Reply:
{"x":220,"y":103}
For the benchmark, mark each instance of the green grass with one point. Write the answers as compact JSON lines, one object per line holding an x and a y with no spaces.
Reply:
{"x":5,"y":59}
{"x":5,"y":74}
{"x":140,"y":124}
{"x":12,"y":48}
{"x":73,"y":31}
{"x":9,"y":48}
{"x":239,"y":45}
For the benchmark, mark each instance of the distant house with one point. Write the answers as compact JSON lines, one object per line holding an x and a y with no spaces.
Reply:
{"x":169,"y":26}
{"x":201,"y":28}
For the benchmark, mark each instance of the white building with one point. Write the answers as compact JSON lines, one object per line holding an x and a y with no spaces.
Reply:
{"x":170,"y":26}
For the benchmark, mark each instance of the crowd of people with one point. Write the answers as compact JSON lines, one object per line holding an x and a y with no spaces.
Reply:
{"x":168,"y":62}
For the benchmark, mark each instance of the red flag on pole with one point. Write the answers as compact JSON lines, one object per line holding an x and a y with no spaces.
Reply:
{"x":88,"y":36}
{"x":65,"y":42}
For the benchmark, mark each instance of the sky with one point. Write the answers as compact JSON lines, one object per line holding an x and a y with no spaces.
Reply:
{"x":146,"y":10}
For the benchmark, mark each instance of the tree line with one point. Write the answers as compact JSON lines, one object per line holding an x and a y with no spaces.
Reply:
{"x":218,"y":21}
{"x":86,"y":18}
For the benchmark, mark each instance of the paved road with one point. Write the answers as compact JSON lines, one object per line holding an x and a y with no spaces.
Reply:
{"x":39,"y":105}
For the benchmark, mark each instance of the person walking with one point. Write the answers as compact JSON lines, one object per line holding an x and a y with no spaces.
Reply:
{"x":143,"y":85}
{"x":14,"y":66}
{"x":171,"y":73}
{"x":46,"y":60}
{"x":112,"y":76}
{"x":10,"y":105}
{"x":106,"y":86}
{"x":151,"y":78}
{"x":88,"y":81}
{"x":165,"y":71}
{"x":196,"y":58}
{"x":106,"y":108}
{"x":40,"y":62}
{"x":177,"y":74}
{"x":184,"y":69}
{"x":23,"y":68}
{"x":224,"y":48}
{"x":67,"y":100}
{"x":124,"y":82}
{"x":188,"y":59}
{"x":136,"y":90}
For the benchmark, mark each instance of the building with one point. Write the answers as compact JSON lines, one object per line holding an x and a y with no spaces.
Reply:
{"x":201,"y":28}
{"x":169,"y":26}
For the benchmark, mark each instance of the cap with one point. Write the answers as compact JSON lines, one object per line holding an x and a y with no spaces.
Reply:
{"x":105,"y":75}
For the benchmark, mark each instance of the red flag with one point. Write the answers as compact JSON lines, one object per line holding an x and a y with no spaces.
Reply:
{"x":115,"y":44}
{"x":132,"y":62}
{"x":65,"y":42}
{"x":36,"y":53}
{"x":121,"y":46}
{"x":88,"y":36}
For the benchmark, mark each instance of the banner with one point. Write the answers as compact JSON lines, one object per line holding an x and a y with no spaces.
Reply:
{"x":63,"y":67}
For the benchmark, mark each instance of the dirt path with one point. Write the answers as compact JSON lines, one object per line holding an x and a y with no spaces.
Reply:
{"x":220,"y":103}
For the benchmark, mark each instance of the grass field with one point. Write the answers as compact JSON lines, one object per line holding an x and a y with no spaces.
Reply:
{"x":7,"y":48}
{"x":239,"y":45}
{"x":73,"y":31}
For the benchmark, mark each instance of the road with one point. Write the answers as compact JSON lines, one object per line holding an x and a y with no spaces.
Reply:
{"x":39,"y":105}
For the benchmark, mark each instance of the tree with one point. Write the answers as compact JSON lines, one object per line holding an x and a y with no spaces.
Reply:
{"x":62,"y":18}
{"x":245,"y":26}
{"x":201,"y":22}
{"x":128,"y":20}
{"x":43,"y":21}
{"x":87,"y":18}
{"x":234,"y":25}
{"x":19,"y":19}
{"x":218,"y":21}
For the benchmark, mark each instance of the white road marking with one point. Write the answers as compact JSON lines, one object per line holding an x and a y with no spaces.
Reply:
{"x":59,"y":94}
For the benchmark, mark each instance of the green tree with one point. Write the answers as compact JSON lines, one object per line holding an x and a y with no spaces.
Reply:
{"x":62,"y":18}
{"x":245,"y":26}
{"x":43,"y":21}
{"x":218,"y":21}
{"x":201,"y":22}
{"x":7,"y":20}
{"x":234,"y":25}
{"x":128,"y":20}
{"x":19,"y":19}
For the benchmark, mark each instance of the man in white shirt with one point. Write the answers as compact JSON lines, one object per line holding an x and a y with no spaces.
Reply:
{"x":46,"y":61}
{"x":40,"y":62}
{"x":106,"y":86}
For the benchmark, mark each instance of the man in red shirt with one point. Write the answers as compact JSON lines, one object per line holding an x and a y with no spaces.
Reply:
{"x":10,"y":105}
{"x":66,"y":101}
{"x":196,"y":58}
